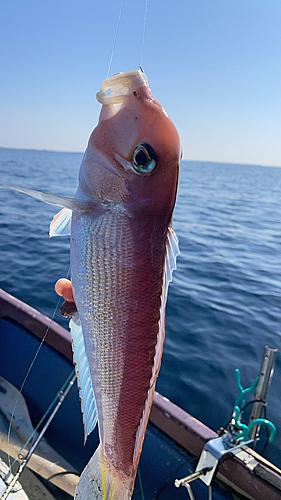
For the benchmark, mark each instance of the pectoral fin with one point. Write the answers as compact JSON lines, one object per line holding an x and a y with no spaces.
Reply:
{"x":61,"y":223}
{"x":53,"y":199}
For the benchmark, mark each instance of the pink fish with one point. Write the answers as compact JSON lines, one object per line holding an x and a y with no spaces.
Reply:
{"x":123,"y":252}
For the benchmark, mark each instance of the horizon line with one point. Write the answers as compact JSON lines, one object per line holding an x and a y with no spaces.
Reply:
{"x":184,"y":159}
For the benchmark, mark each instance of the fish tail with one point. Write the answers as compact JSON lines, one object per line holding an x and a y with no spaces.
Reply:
{"x":98,"y":482}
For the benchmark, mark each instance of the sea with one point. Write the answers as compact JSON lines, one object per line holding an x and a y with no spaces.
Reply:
{"x":224,"y":304}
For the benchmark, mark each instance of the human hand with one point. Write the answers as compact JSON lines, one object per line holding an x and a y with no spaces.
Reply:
{"x":63,"y":288}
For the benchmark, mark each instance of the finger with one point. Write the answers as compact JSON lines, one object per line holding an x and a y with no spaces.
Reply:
{"x":63,"y":288}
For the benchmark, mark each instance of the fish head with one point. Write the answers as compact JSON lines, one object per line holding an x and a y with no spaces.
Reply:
{"x":133,"y":154}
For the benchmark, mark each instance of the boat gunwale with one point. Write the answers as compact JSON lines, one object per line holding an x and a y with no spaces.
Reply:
{"x":23,"y":314}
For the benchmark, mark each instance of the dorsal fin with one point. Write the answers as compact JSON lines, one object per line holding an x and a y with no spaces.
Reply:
{"x":87,"y":397}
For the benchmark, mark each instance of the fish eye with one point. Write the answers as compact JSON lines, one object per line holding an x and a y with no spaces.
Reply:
{"x":144,"y":158}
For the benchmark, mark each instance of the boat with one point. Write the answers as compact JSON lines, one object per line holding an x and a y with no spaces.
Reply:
{"x":37,"y":386}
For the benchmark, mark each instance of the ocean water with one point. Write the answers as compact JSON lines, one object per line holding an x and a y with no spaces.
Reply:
{"x":224,"y":302}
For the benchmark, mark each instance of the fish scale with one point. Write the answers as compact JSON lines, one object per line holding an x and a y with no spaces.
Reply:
{"x":118,"y":322}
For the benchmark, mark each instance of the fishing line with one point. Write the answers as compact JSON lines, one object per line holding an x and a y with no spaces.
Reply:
{"x":49,"y":409}
{"x":143,"y":32}
{"x":117,"y":31}
{"x":141,"y":486}
{"x":172,"y":475}
{"x":253,"y":401}
{"x":27,"y":375}
{"x":115,"y":39}
{"x":61,"y":396}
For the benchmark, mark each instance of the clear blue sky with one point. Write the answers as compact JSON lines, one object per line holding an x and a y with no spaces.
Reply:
{"x":215,"y":65}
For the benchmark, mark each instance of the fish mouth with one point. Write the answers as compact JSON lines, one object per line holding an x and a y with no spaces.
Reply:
{"x":118,"y":88}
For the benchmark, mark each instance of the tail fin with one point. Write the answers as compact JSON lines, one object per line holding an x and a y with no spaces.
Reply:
{"x":98,"y":482}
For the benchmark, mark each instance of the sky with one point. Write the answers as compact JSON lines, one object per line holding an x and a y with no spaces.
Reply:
{"x":215,"y":66}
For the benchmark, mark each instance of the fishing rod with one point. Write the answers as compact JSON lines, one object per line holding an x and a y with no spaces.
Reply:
{"x":11,"y":480}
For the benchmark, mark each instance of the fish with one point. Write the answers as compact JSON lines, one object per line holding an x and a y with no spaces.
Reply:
{"x":123,"y":251}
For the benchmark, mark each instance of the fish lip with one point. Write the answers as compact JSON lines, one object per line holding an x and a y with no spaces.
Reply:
{"x":118,"y":88}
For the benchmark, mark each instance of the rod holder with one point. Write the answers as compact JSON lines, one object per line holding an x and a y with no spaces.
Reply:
{"x":265,"y":377}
